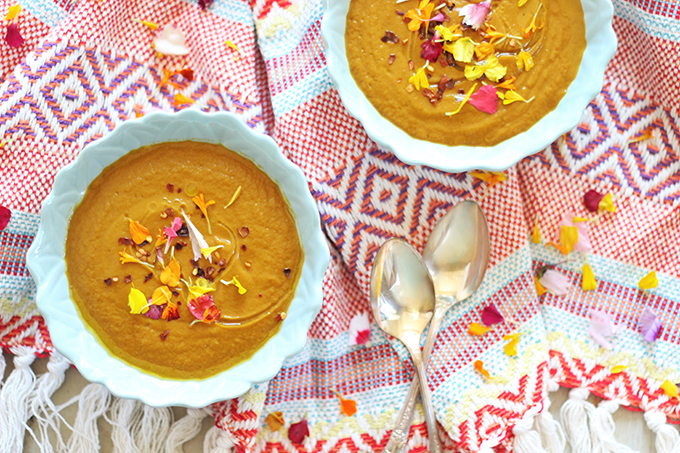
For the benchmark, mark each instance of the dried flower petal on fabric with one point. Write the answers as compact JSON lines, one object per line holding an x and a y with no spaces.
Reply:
{"x":477,"y":329}
{"x":170,"y":41}
{"x":348,"y":407}
{"x":648,"y":132}
{"x":589,"y":283}
{"x":170,"y":312}
{"x":180,"y":100}
{"x":555,"y":282}
{"x":479,"y":366}
{"x":649,"y":324}
{"x":13,"y":36}
{"x":275,"y":420}
{"x":148,"y":24}
{"x":670,"y":389}
{"x":649,"y":281}
{"x":298,"y":431}
{"x":606,"y":204}
{"x":171,"y":274}
{"x":511,"y":347}
{"x":138,"y":232}
{"x":591,"y":200}
{"x":137,"y":301}
{"x":490,"y":177}
{"x":485,"y":99}
{"x":13,"y":12}
{"x":583,"y":238}
{"x":540,"y":290}
{"x":359,"y":329}
{"x":602,"y":327}
{"x":205,"y":3}
{"x":525,"y":61}
{"x":467,"y":96}
{"x":491,"y":315}
{"x":618,"y":368}
{"x":5,"y":217}
{"x":536,"y":233}
{"x":475,"y":14}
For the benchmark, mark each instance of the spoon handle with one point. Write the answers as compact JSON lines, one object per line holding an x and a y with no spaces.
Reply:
{"x":401,"y":428}
{"x":425,"y":396}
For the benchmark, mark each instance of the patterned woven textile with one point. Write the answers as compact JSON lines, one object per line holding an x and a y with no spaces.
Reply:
{"x":88,"y":65}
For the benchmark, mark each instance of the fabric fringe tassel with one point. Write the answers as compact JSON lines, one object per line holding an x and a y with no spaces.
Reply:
{"x":185,"y":429}
{"x":217,"y":441}
{"x":152,"y":429}
{"x":93,"y":402}
{"x":667,"y":437}
{"x":551,"y":432}
{"x":526,"y":439}
{"x":123,"y":415}
{"x":574,"y":415}
{"x":602,"y":428}
{"x":14,"y":401}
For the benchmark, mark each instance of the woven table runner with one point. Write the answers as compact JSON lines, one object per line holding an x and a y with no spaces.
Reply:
{"x":86,"y":66}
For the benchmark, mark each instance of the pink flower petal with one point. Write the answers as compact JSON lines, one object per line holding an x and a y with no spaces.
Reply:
{"x":431,"y":50}
{"x":475,"y":14}
{"x":155,"y":311}
{"x":171,"y":232}
{"x":599,"y":339}
{"x":485,"y":99}
{"x":557,"y":283}
{"x":650,"y":324}
{"x":583,"y":244}
{"x":491,"y":316}
{"x":359,"y":329}
{"x":602,"y":327}
{"x":5,"y":215}
{"x":13,"y":36}
{"x":197,"y":307}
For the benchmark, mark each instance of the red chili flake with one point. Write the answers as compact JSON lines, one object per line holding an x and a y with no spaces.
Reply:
{"x":179,"y":246}
{"x":450,"y":84}
{"x":390,"y":37}
{"x":243,"y":231}
{"x":411,"y":65}
{"x":287,"y":272}
{"x":400,"y":13}
{"x":391,"y":59}
{"x":184,"y":231}
{"x":170,"y":187}
{"x":260,"y":295}
{"x":281,"y":316}
{"x":222,"y":262}
{"x":108,"y":281}
{"x":170,"y":212}
{"x":148,"y":277}
{"x":243,"y":247}
{"x":591,"y":200}
{"x":5,"y":215}
{"x":128,"y":278}
{"x":179,"y":190}
{"x":124,"y":241}
{"x":187,"y":73}
{"x":431,"y":50}
{"x":298,"y":431}
{"x":428,"y":93}
{"x":164,"y":335}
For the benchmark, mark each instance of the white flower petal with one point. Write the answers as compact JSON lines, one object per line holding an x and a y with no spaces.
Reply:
{"x":170,"y":41}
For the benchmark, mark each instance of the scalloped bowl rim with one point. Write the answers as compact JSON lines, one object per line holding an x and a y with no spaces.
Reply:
{"x":69,"y":333}
{"x":601,"y":45}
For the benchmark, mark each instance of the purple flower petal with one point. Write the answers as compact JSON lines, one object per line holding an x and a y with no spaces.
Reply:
{"x":5,"y":215}
{"x":650,"y":324}
{"x":13,"y":36}
{"x":431,"y":50}
{"x":155,"y":311}
{"x":557,"y":283}
{"x":475,"y":14}
{"x":491,"y":316}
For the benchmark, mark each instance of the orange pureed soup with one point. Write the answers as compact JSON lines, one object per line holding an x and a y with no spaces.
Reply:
{"x":182,"y":258}
{"x":464,"y":73}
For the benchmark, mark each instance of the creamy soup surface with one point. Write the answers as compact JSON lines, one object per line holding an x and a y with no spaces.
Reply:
{"x":167,"y":309}
{"x":532,"y":51}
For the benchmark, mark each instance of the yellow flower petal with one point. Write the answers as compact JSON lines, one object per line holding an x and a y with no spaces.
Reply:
{"x":231,"y":45}
{"x":137,"y":302}
{"x":161,"y":295}
{"x":234,"y":281}
{"x":670,"y":389}
{"x":618,"y":368}
{"x":521,"y":3}
{"x":568,"y":238}
{"x":419,"y":79}
{"x":180,"y":99}
{"x":493,"y":70}
{"x":536,"y":234}
{"x":463,"y":50}
{"x":209,"y":250}
{"x":467,"y":96}
{"x":525,"y":61}
{"x":540,"y":290}
{"x":606,"y":204}
{"x":479,"y":366}
{"x":138,"y":232}
{"x":148,"y":24}
{"x":171,"y":274}
{"x":477,"y":329}
{"x":649,"y":281}
{"x":201,"y":287}
{"x":483,"y":50}
{"x":589,"y":282}
{"x":13,"y":12}
{"x":511,"y":347}
{"x":473,"y":72}
{"x":512,"y":96}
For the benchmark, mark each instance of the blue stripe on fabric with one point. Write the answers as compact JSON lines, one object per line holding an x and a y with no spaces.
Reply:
{"x":46,"y":11}
{"x":23,"y":223}
{"x":652,"y":24}
{"x":285,"y":41}
{"x":311,"y":86}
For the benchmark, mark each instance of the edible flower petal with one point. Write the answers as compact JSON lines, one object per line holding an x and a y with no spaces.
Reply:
{"x":419,"y":79}
{"x":209,"y":250}
{"x":138,"y":232}
{"x":477,"y":329}
{"x":525,"y":60}
{"x":170,"y":41}
{"x":154,"y":311}
{"x":137,"y":301}
{"x":148,"y":24}
{"x":648,"y":132}
{"x":606,"y":204}
{"x":201,"y":287}
{"x":447,"y":34}
{"x":275,"y":420}
{"x":589,"y":282}
{"x":475,"y":14}
{"x":490,"y":177}
{"x":618,"y":368}
{"x":180,"y":100}
{"x":170,"y":312}
{"x":463,"y":50}
{"x":491,"y":315}
{"x":511,"y":347}
{"x":521,"y":3}
{"x":171,"y":274}
{"x":670,"y":389}
{"x":5,"y":216}
{"x":591,"y":200}
{"x":533,"y":26}
{"x":483,"y":50}
{"x":431,"y":50}
{"x":536,"y":234}
{"x":507,"y":84}
{"x":359,"y":329}
{"x":203,"y":206}
{"x":649,"y":281}
{"x":127,"y":258}
{"x":485,"y":100}
{"x":467,"y":96}
{"x":197,"y":240}
{"x":234,"y":197}
{"x":348,"y":407}
{"x":198,"y":306}
{"x":234,"y":281}
{"x":540,"y":290}
{"x":479,"y":366}
{"x":298,"y":431}
{"x":568,"y":237}
{"x":161,"y":295}
{"x":512,"y":96}
{"x":555,"y":282}
{"x":649,"y":324}
{"x":171,"y":232}
{"x":602,"y":327}
{"x":13,"y":36}
{"x":211,"y":314}
{"x":582,"y":238}
{"x":13,"y":12}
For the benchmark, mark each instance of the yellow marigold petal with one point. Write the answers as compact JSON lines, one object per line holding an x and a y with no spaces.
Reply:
{"x":649,"y":281}
{"x":483,"y":50}
{"x":150,"y":25}
{"x":568,"y":237}
{"x":512,"y":96}
{"x":521,"y":3}
{"x":493,"y":70}
{"x":507,"y":85}
{"x":525,"y":61}
{"x":419,"y":79}
{"x":589,"y":282}
{"x":540,"y":290}
{"x":511,"y":348}
{"x":171,"y":274}
{"x":180,"y":99}
{"x":473,"y":72}
{"x":138,"y":232}
{"x":618,"y":368}
{"x":479,"y":366}
{"x":231,"y":45}
{"x":647,"y":133}
{"x":161,"y":295}
{"x":137,"y":302}
{"x":209,"y":250}
{"x":477,"y":329}
{"x":13,"y":12}
{"x":606,"y":204}
{"x":670,"y":389}
{"x":463,"y":50}
{"x":467,"y":96}
{"x":536,"y":234}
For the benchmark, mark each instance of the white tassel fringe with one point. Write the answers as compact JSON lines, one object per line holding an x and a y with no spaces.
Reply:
{"x":217,"y":441}
{"x":93,"y":402}
{"x":185,"y":429}
{"x":574,"y":415}
{"x":526,"y":439}
{"x":122,"y":416}
{"x":14,"y":401}
{"x":551,"y":432}
{"x":602,"y":428}
{"x":153,"y":428}
{"x":667,"y":438}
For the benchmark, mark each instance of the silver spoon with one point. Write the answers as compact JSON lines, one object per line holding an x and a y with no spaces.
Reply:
{"x":402,"y":299}
{"x":456,"y":255}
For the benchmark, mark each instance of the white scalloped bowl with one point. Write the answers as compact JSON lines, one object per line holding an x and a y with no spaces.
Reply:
{"x":601,"y":45}
{"x":67,"y":329}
